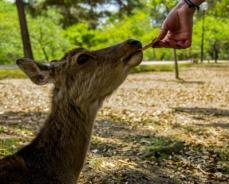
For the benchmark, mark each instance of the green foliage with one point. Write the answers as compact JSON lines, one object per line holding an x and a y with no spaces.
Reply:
{"x":219,"y":8}
{"x":216,"y":36}
{"x":10,"y":40}
{"x":11,"y":74}
{"x":76,"y":11}
{"x":159,"y":9}
{"x":80,"y":35}
{"x":135,"y":26}
{"x":47,"y":36}
{"x":50,"y":40}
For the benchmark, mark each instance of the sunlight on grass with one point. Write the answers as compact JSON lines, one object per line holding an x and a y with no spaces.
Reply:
{"x":106,"y":163}
{"x":159,"y":68}
{"x":16,"y":130}
{"x":8,"y":145}
{"x":11,"y":74}
{"x":107,"y":140}
{"x":13,"y":137}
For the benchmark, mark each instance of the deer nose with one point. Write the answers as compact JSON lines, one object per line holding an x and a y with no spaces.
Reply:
{"x":135,"y":43}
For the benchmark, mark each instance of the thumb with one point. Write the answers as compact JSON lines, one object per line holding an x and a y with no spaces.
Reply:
{"x":162,"y":34}
{"x":157,"y":42}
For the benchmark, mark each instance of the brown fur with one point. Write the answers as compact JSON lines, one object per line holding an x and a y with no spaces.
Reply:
{"x":82,"y":79}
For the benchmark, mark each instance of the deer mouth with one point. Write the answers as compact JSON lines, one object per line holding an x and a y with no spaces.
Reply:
{"x":134,"y":58}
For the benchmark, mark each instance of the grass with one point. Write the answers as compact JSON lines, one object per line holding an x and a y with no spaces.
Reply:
{"x":170,"y":67}
{"x":18,"y":74}
{"x":12,"y":137}
{"x":11,"y":74}
{"x":212,"y":65}
{"x":159,"y":68}
{"x":8,"y":146}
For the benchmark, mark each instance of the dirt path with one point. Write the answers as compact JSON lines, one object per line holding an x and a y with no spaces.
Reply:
{"x":153,"y":130}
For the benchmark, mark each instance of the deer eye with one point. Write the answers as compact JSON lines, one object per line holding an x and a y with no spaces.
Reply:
{"x":83,"y":58}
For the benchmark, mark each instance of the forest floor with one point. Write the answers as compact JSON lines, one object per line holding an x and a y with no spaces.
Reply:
{"x":153,"y":130}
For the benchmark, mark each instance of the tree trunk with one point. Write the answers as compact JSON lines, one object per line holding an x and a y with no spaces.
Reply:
{"x":24,"y":30}
{"x":202,"y":37}
{"x":216,"y":50}
{"x":216,"y":56}
{"x":176,"y":64}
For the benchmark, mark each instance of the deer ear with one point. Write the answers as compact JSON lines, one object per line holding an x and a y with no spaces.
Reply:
{"x":39,"y":73}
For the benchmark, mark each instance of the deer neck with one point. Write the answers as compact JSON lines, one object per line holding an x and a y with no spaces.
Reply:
{"x":64,"y":140}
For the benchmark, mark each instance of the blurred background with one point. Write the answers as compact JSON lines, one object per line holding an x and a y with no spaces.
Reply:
{"x":56,"y":26}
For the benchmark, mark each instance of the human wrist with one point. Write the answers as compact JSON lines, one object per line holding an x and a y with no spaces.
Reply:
{"x":198,"y":2}
{"x":182,"y":5}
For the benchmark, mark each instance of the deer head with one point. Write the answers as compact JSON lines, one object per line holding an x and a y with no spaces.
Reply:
{"x":85,"y":76}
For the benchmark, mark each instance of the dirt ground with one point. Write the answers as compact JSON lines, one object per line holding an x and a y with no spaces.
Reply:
{"x":153,"y":130}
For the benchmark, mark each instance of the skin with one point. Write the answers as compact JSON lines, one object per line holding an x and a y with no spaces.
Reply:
{"x":176,"y":30}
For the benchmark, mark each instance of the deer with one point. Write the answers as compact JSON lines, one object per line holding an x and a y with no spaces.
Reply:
{"x":81,"y":80}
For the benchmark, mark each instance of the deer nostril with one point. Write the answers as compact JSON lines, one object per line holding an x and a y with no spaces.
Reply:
{"x":135,"y":43}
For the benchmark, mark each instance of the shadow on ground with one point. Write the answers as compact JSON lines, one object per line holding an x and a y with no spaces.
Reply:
{"x":205,"y":111}
{"x":171,"y":158}
{"x":181,"y":81}
{"x":215,"y":125}
{"x":135,"y":156}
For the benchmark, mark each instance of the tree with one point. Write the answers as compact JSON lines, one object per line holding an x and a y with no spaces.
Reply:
{"x":202,"y":37}
{"x":176,"y":64}
{"x":24,"y":30}
{"x":219,"y":8}
{"x":159,"y":9}
{"x":47,"y":36}
{"x":216,"y":30}
{"x":75,"y":11}
{"x":11,"y":46}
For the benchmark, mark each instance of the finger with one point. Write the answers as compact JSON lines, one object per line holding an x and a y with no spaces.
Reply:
{"x":162,"y":34}
{"x":188,"y":43}
{"x":156,"y":44}
{"x":183,"y":44}
{"x":171,"y":43}
{"x":167,"y":43}
{"x":159,"y":44}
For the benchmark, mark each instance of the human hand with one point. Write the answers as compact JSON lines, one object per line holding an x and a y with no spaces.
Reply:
{"x":176,"y":30}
